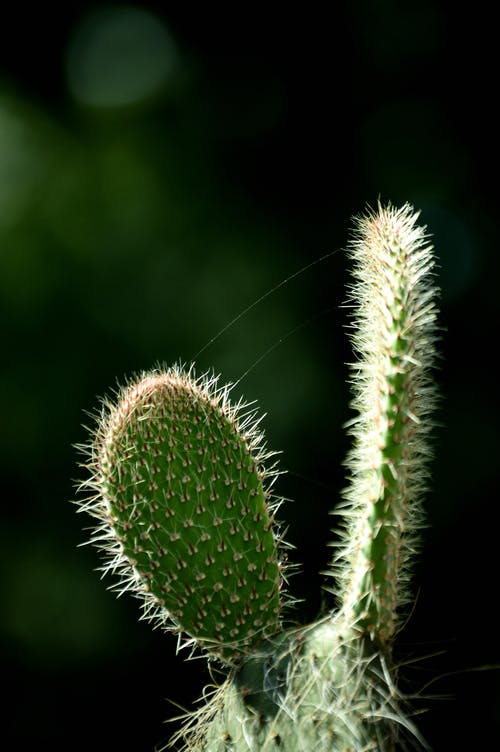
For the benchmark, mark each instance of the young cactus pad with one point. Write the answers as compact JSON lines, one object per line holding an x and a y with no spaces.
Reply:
{"x":183,"y":504}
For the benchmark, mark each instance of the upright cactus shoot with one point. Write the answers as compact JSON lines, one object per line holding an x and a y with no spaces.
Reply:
{"x":182,"y":496}
{"x":393,"y":334}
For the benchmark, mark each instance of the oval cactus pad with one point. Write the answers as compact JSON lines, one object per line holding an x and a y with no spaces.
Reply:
{"x":184,"y":512}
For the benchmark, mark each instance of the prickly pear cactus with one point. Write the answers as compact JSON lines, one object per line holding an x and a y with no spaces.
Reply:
{"x":182,"y":494}
{"x":184,"y":504}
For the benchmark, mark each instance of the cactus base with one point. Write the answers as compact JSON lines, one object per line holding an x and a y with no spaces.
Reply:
{"x":316,"y":688}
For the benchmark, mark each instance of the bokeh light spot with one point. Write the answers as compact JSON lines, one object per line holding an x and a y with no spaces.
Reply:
{"x":119,"y":56}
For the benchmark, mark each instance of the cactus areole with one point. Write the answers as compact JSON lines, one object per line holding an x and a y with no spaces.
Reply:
{"x":183,"y":502}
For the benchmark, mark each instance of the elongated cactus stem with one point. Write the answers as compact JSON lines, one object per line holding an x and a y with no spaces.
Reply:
{"x":393,"y":334}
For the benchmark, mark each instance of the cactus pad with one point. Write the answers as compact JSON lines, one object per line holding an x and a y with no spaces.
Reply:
{"x":184,"y":507}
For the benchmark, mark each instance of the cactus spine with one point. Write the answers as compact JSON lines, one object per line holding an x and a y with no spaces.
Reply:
{"x":182,"y":497}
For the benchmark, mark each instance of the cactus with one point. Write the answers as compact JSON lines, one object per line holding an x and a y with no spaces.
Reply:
{"x":185,"y":516}
{"x":181,"y":488}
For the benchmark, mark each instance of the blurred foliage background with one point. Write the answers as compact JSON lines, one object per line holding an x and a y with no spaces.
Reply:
{"x":163,"y":166}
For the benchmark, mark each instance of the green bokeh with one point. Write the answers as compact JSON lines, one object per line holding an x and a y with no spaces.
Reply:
{"x":133,"y":233}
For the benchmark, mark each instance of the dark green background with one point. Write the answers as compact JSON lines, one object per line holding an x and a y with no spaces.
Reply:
{"x":133,"y":235}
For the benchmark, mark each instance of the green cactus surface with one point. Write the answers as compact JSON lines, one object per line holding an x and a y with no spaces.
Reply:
{"x":181,"y":488}
{"x":183,"y":501}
